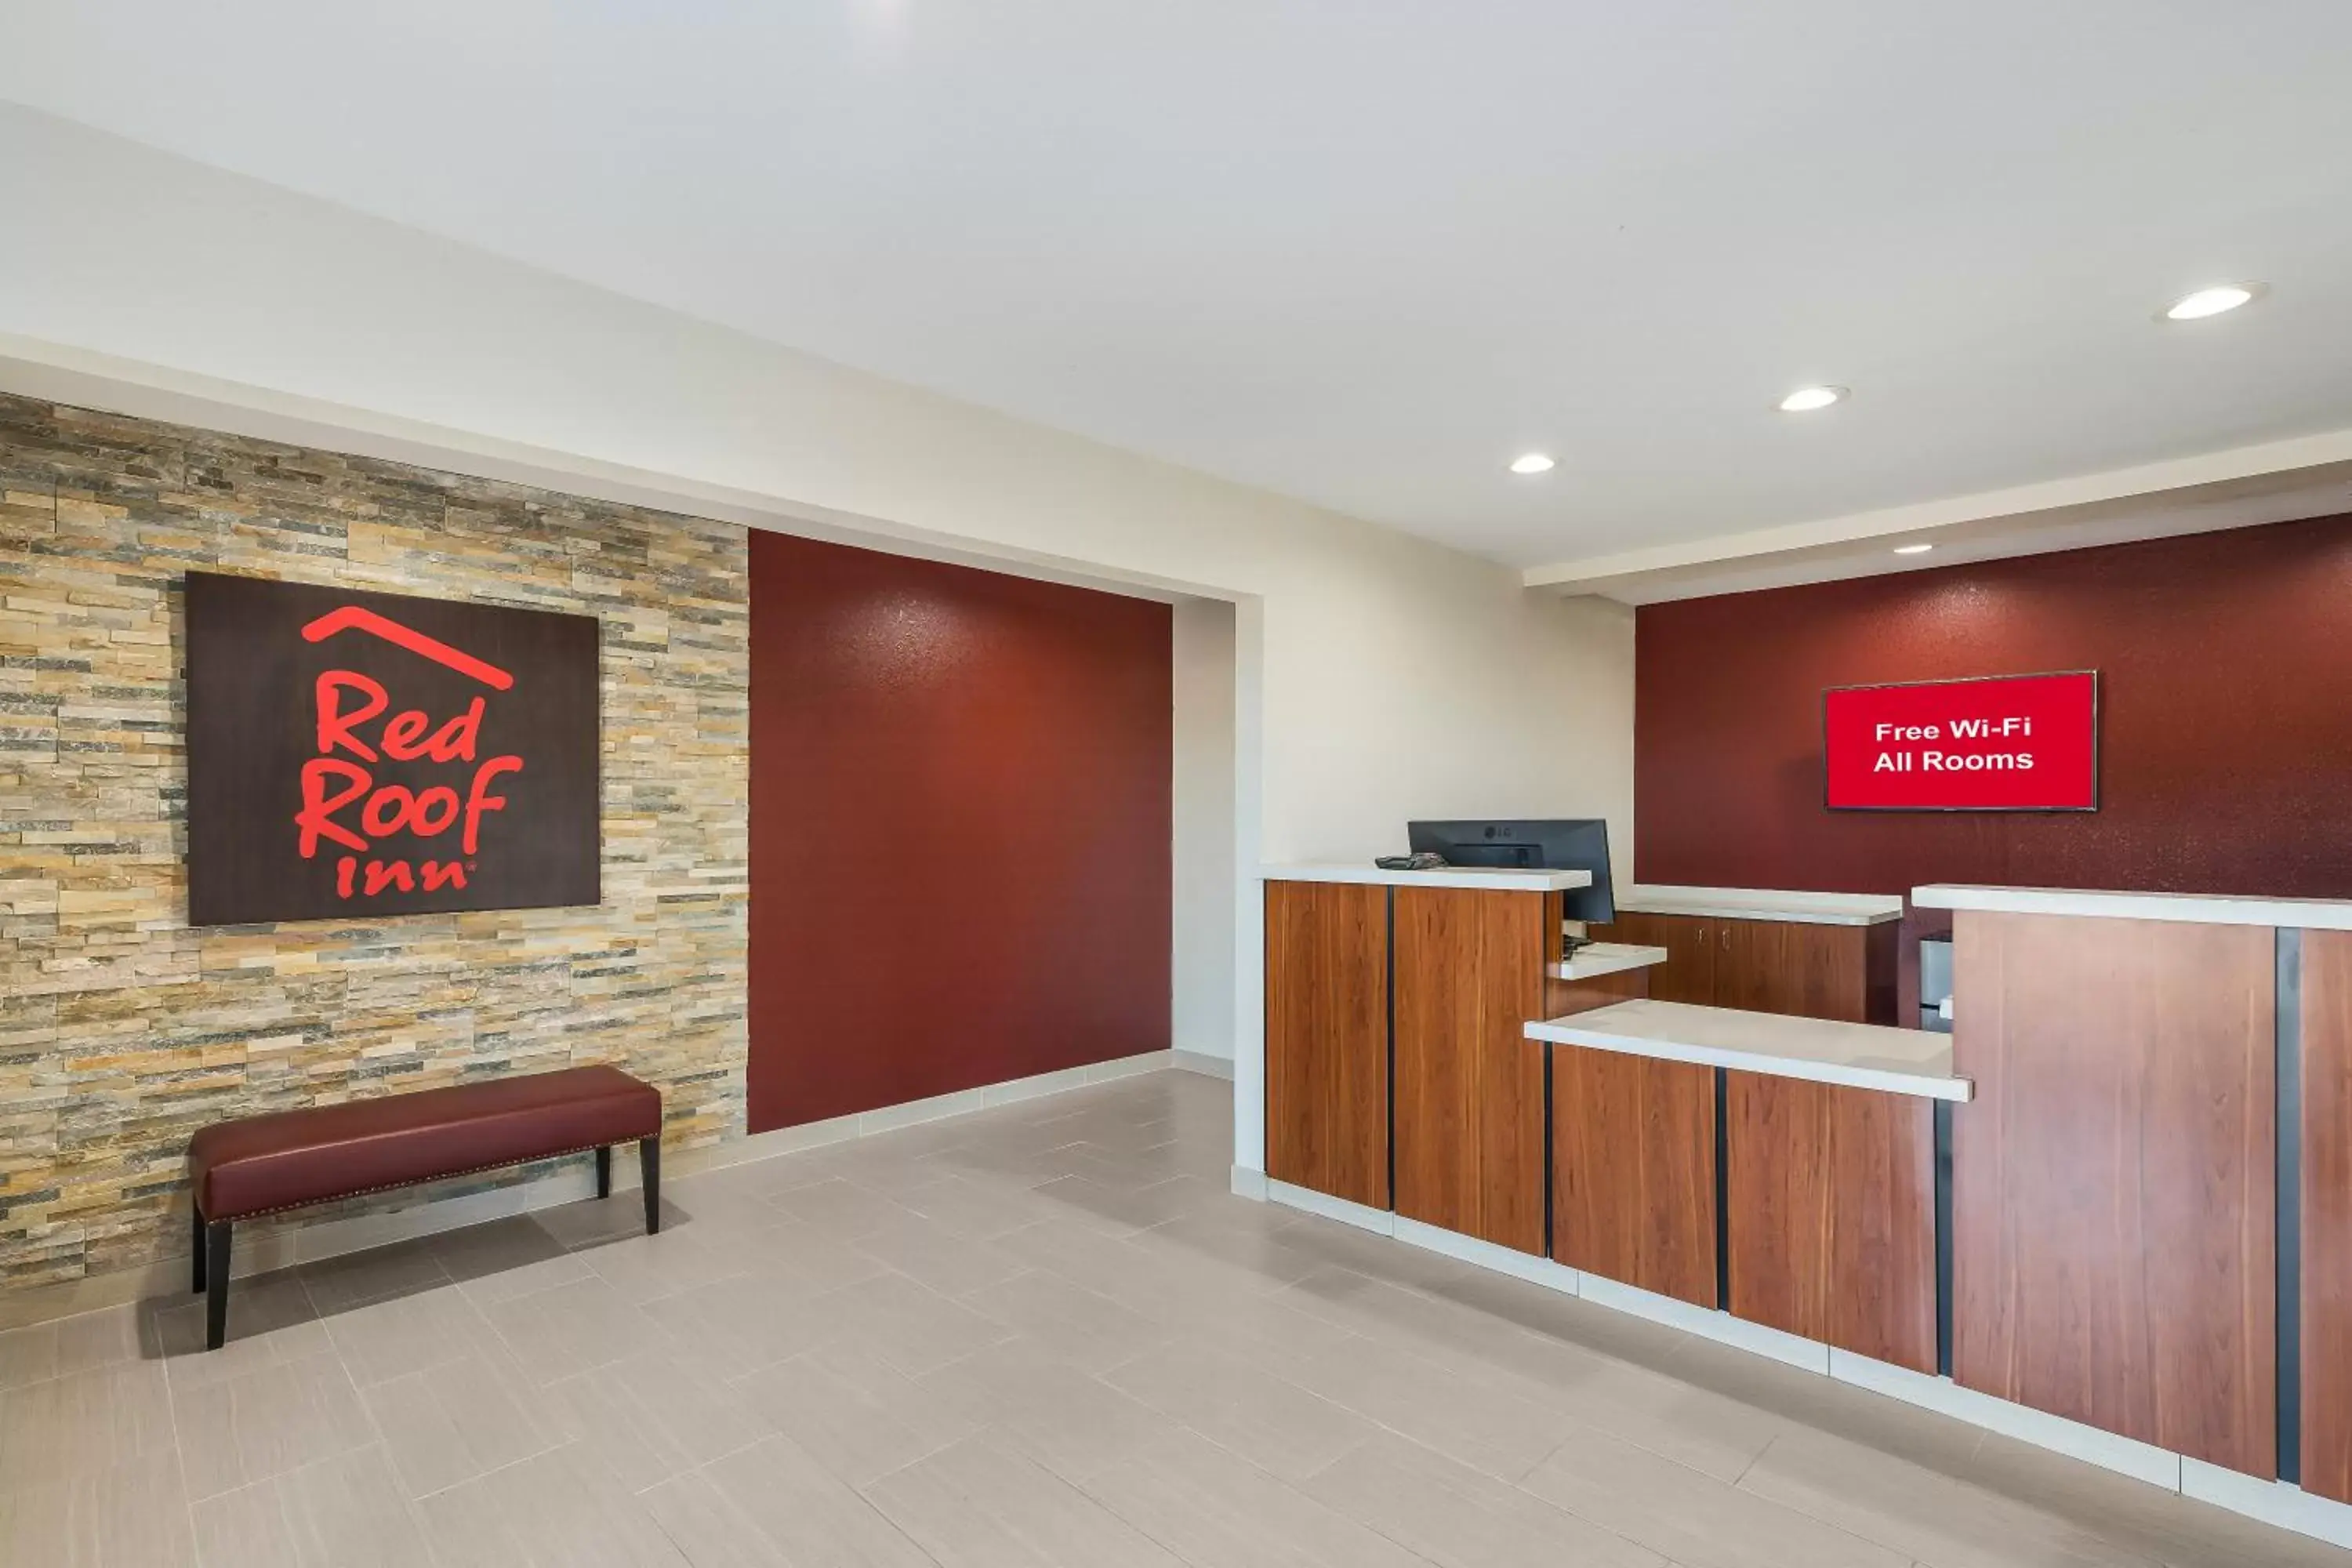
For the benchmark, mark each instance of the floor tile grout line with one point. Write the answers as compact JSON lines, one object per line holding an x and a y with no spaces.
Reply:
{"x":179,"y":1454}
{"x":1751,"y":1464}
{"x":861,"y":1488}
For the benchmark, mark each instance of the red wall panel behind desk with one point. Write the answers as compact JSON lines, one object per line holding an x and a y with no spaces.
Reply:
{"x":960,"y":828}
{"x":2225,"y":688}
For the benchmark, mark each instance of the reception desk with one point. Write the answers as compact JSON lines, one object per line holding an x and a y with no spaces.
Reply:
{"x":2111,"y":1212}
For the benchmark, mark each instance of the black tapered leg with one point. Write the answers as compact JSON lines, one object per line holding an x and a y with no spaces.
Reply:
{"x":216,"y":1284}
{"x":649,"y":1162}
{"x":196,"y":1247}
{"x":604,"y":1170}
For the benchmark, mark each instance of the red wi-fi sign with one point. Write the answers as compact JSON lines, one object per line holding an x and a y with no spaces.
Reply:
{"x":2004,"y":743}
{"x":357,"y":754}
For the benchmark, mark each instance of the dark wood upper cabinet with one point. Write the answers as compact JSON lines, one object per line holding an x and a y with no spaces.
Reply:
{"x":1815,"y":970}
{"x":1688,"y":972}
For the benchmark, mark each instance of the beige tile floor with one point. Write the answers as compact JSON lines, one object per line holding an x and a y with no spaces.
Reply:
{"x":1044,"y":1334}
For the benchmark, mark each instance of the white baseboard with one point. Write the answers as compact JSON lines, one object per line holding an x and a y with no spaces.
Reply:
{"x":1128,"y":1067}
{"x":1202,"y":1062}
{"x":1378,"y":1221}
{"x":2141,"y":1462}
{"x":1508,"y":1260}
{"x":2273,"y":1502}
{"x":1707,"y":1323}
{"x":1248,"y":1183}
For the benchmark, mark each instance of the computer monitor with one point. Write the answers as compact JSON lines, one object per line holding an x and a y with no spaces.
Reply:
{"x":1568,"y":845}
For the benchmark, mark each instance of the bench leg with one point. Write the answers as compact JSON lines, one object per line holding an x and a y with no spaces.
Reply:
{"x":197,"y":1248}
{"x":215,"y":1264}
{"x":649,"y":1162}
{"x":603,"y":1170}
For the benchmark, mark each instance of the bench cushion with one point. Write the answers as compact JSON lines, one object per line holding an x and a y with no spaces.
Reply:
{"x":284,"y":1161}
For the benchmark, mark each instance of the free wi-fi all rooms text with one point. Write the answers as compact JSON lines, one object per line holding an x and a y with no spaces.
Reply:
{"x":1922,"y":748}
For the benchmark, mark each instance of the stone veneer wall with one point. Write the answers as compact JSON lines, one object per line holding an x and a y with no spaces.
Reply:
{"x":123,"y":1029}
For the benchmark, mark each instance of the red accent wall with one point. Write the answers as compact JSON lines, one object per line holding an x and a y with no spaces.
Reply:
{"x":2225,"y":689}
{"x":960,"y":823}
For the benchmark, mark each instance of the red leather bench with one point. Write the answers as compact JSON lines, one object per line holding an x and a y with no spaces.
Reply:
{"x":263,"y":1164}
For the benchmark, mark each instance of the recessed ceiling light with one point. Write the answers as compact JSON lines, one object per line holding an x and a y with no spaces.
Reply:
{"x":2213,"y":301}
{"x":1913,"y":549}
{"x":1531,"y":463}
{"x":1806,"y":399}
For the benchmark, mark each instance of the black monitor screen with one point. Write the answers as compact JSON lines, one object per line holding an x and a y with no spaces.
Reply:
{"x":1569,"y":845}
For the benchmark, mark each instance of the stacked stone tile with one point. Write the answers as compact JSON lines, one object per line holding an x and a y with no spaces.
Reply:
{"x":123,"y":1029}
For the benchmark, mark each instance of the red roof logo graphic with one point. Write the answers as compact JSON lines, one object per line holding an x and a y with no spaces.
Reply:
{"x":352,"y":619}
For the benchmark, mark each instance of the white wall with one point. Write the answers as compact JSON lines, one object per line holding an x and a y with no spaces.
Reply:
{"x":1201,"y":1005}
{"x":1378,"y":676}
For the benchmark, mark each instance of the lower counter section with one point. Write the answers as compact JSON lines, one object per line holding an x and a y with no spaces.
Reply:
{"x":2115,"y":1183}
{"x":1802,"y":1206}
{"x":1633,"y":1189}
{"x":1830,"y":1221}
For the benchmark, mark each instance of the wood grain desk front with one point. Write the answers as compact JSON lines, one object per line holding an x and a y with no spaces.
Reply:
{"x":1781,"y":1169}
{"x":2152,"y":1195}
{"x":1396,"y":1074}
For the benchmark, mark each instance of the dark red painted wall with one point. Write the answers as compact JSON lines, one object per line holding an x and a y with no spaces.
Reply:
{"x":2225,"y":685}
{"x":960,"y":818}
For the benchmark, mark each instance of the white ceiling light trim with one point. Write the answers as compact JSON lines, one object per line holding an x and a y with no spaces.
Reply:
{"x":1811,"y":399}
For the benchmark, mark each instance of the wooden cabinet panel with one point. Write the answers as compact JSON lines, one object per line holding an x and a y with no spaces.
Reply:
{"x":1830,"y":1199}
{"x":1882,"y":959}
{"x":1634,"y":1171}
{"x":1326,"y":1038}
{"x":1786,"y":966}
{"x":2326,"y":1202}
{"x":1844,"y":973}
{"x":2114,"y":1180}
{"x":1690,"y":941}
{"x":1469,"y":1086}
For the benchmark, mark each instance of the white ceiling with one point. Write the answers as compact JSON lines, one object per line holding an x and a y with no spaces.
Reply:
{"x":1365,"y":251}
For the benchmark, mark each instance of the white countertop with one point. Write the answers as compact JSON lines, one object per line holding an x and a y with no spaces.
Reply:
{"x":1606,"y":958}
{"x":1492,"y":880}
{"x":2200,"y":909}
{"x":1858,"y":1056}
{"x":1763,"y":904}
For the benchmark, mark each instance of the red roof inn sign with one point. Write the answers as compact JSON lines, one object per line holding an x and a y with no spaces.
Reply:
{"x":2007,"y":743}
{"x":352,"y":755}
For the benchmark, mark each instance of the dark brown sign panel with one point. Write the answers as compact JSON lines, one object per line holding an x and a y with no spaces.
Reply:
{"x":354,"y":754}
